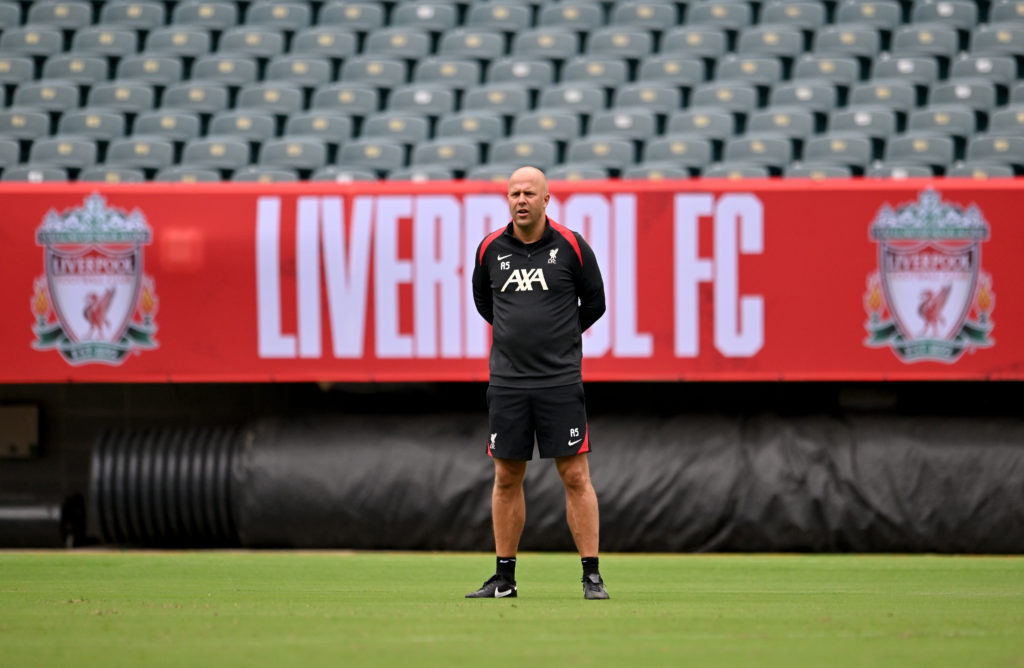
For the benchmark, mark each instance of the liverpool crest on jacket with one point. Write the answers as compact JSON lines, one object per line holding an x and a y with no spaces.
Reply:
{"x":929,"y":298}
{"x":94,"y":303}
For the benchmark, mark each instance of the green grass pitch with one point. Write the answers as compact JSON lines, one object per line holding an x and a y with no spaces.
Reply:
{"x":407,"y":609}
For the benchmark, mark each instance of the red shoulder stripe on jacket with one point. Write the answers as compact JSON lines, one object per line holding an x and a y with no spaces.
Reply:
{"x":569,"y":236}
{"x":487,"y":242}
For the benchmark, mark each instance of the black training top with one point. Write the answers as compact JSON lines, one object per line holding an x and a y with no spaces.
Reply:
{"x":539,"y":298}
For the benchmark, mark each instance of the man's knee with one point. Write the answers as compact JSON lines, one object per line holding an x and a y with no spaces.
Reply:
{"x":575,"y":474}
{"x":508,"y":474}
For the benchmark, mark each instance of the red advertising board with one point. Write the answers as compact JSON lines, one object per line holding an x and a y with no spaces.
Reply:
{"x":705,"y":280}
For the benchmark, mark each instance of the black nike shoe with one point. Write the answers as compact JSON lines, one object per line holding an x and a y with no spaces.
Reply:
{"x":593,"y":587}
{"x":496,"y":587}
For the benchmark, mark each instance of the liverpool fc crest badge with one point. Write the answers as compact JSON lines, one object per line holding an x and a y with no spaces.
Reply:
{"x":94,"y":303}
{"x":929,"y":299}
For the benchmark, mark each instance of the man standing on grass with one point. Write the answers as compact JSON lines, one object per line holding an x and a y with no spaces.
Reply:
{"x":538,"y":284}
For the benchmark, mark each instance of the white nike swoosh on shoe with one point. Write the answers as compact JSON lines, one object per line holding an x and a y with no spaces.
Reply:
{"x":502,"y":594}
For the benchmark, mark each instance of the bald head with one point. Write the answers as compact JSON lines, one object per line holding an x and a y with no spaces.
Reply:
{"x":527,"y":199}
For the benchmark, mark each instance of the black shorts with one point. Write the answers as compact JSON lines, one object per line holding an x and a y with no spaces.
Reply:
{"x":556,"y":416}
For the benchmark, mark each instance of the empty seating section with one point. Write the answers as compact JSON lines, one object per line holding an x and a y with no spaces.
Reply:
{"x":350,"y":90}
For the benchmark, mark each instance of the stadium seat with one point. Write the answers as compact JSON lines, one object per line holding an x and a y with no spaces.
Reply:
{"x":1007,"y":121}
{"x":599,"y":70}
{"x":186,"y":41}
{"x":960,"y":14}
{"x":324,"y":42}
{"x":355,"y":16}
{"x":298,"y":153}
{"x":429,"y":99}
{"x":99,"y":124}
{"x":763,"y":71}
{"x":276,"y":97}
{"x":503,"y":99}
{"x":186,"y":174}
{"x":67,"y":151}
{"x":338,"y":174}
{"x":65,"y":14}
{"x":883,"y":14}
{"x":736,"y":171}
{"x":225,"y":68}
{"x":82,"y":69}
{"x":893,"y":93}
{"x":176,"y":125}
{"x":33,"y":173}
{"x":255,"y":41}
{"x":397,"y":42}
{"x":47,"y":95}
{"x":550,"y":42}
{"x":768,"y":149}
{"x":223,"y":152}
{"x":31,"y":40}
{"x":837,"y":70}
{"x":694,"y":42}
{"x":672,"y":69}
{"x":979,"y":94}
{"x":998,"y":39}
{"x":580,"y":17}
{"x":709,"y":122}
{"x":141,"y":152}
{"x":1017,"y":93}
{"x":300,"y":70}
{"x":921,"y":148}
{"x":932,"y":39}
{"x":609,"y":151}
{"x":771,"y":40}
{"x":111,"y":174}
{"x":538,"y":151}
{"x":872,"y":120}
{"x":794,"y":122}
{"x":524,"y":70}
{"x":331,"y":128}
{"x":803,"y":14}
{"x":287,"y":16}
{"x":508,"y":16}
{"x":577,"y":172}
{"x":951,"y":119}
{"x":980,"y":170}
{"x":494,"y":172}
{"x":450,"y":152}
{"x":736,"y":97}
{"x":156,"y":69}
{"x":374,"y":71}
{"x":244,"y":123}
{"x":400,"y":127}
{"x":478,"y":126}
{"x":202,"y":97}
{"x":24,"y":123}
{"x":654,"y":15}
{"x":265,"y":174}
{"x":687,"y":151}
{"x":656,"y":171}
{"x":9,"y":152}
{"x":354,"y":99}
{"x":857,"y":40}
{"x":424,"y":15}
{"x":622,"y":42}
{"x":659,"y":98}
{"x":207,"y":14}
{"x":10,"y":14}
{"x":888,"y":170}
{"x":372,"y":155}
{"x":111,"y":41}
{"x":138,"y":14}
{"x":720,"y":14}
{"x":561,"y":125}
{"x":449,"y":71}
{"x":16,"y":69}
{"x":817,"y":171}
{"x":1005,"y":11}
{"x":1006,"y":149}
{"x":840,"y":148}
{"x":582,"y":99}
{"x":420,"y":173}
{"x":477,"y":43}
{"x":128,"y":96}
{"x":638,"y":123}
{"x":817,"y":95}
{"x":1000,"y":70}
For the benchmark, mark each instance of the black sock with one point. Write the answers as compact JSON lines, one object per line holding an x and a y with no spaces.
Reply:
{"x":507,"y":567}
{"x":589,"y":565}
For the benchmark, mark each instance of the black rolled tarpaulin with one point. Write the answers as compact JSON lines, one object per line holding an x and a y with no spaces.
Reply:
{"x":679,"y":483}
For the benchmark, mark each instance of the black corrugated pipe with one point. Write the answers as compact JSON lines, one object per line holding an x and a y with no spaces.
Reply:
{"x":167,"y":487}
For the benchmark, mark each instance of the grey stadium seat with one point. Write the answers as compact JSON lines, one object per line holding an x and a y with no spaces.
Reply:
{"x":815,"y":94}
{"x":95,"y":123}
{"x":176,"y":125}
{"x":771,"y":40}
{"x":502,"y":99}
{"x":208,"y":14}
{"x":817,"y":171}
{"x":673,"y":69}
{"x":981,"y":170}
{"x":494,"y":172}
{"x":112,"y":174}
{"x":524,"y":70}
{"x":372,"y":155}
{"x":961,"y":14}
{"x":581,"y":17}
{"x":456,"y":154}
{"x":300,"y":70}
{"x":735,"y":97}
{"x":841,"y":148}
{"x":728,"y":15}
{"x":353,"y":99}
{"x":429,"y":99}
{"x":646,"y":14}
{"x":921,"y":70}
{"x":69,"y":151}
{"x":790,"y":121}
{"x":1007,"y":121}
{"x":107,"y":41}
{"x":560,"y":125}
{"x":256,"y":126}
{"x":508,"y":16}
{"x":478,"y":43}
{"x":683,"y":150}
{"x":900,"y":170}
{"x":624,"y":42}
{"x":204,"y":97}
{"x":979,"y":94}
{"x":577,"y":172}
{"x":933,"y":39}
{"x":1006,"y":10}
{"x":757,"y":70}
{"x":9,"y":152}
{"x":397,"y":42}
{"x":232,"y":69}
{"x":872,"y":120}
{"x":24,"y":123}
{"x":356,"y":16}
{"x":884,"y":14}
{"x":31,"y":40}
{"x":998,"y":39}
{"x":601,"y":70}
{"x":660,"y":98}
{"x":858,"y":40}
{"x":301,"y":153}
{"x":768,"y":149}
{"x":951,"y":119}
{"x":187,"y":174}
{"x":329,"y":127}
{"x":338,"y":174}
{"x":139,"y":14}
{"x":324,"y":41}
{"x":611,"y":151}
{"x":519,"y":150}
{"x":837,"y":70}
{"x":736,"y":171}
{"x":709,"y":122}
{"x":33,"y":173}
{"x":920,"y":148}
{"x":656,"y":171}
{"x":288,"y":16}
{"x":128,"y":96}
{"x":629,"y":122}
{"x":420,"y":173}
{"x":893,"y":93}
{"x":424,"y":15}
{"x":450,"y":71}
{"x":276,"y":97}
{"x":255,"y":41}
{"x":216,"y":152}
{"x":187,"y":41}
{"x":16,"y":69}
{"x":1001,"y":70}
{"x":479,"y":126}
{"x":375,"y":71}
{"x":47,"y":95}
{"x":401,"y":127}
{"x":546,"y":42}
{"x":141,"y":152}
{"x":582,"y":99}
{"x":79,"y":68}
{"x":265,"y":174}
{"x":157,"y":69}
{"x":694,"y":41}
{"x":807,"y":16}
{"x":10,"y":14}
{"x":1006,"y":149}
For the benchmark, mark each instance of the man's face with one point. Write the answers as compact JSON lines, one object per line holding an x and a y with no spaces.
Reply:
{"x":527,"y":199}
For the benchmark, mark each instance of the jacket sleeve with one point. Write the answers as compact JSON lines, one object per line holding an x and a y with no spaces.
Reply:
{"x":482,"y":295}
{"x":589,"y":287}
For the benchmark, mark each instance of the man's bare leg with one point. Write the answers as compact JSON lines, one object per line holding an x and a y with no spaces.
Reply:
{"x":580,"y":503}
{"x":508,"y":505}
